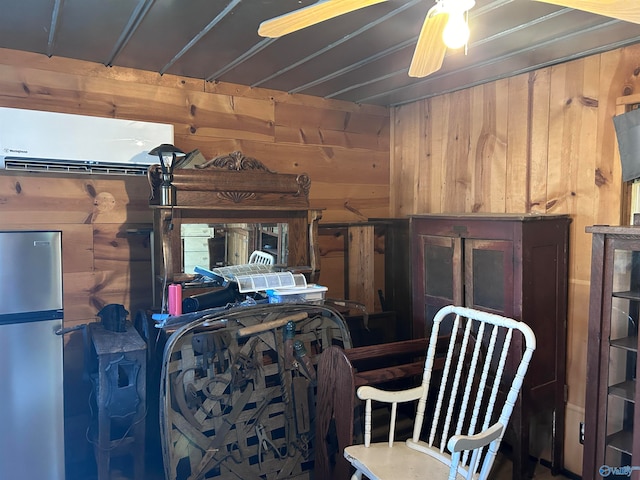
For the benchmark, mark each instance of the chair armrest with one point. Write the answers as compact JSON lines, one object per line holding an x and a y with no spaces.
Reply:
{"x":372,"y":393}
{"x":459,"y":443}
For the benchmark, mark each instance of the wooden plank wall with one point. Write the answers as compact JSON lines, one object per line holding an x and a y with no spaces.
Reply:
{"x":540,"y":142}
{"x":343,"y":147}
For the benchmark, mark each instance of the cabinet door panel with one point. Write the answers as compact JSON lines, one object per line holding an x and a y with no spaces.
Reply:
{"x":489,"y":275}
{"x":441,"y":281}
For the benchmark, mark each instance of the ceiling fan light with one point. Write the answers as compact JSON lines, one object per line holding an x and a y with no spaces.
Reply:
{"x":456,"y":32}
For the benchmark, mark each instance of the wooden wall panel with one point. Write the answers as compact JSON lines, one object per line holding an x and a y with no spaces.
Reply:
{"x":122,"y":254}
{"x":618,"y":76}
{"x":406,"y":182}
{"x":55,"y":198}
{"x":558,"y":156}
{"x":122,"y":242}
{"x":326,"y":126}
{"x":538,"y":151}
{"x":574,"y":104}
{"x":432,"y":172}
{"x":78,"y":305}
{"x":517,"y":153}
{"x":489,"y":146}
{"x":458,"y":172}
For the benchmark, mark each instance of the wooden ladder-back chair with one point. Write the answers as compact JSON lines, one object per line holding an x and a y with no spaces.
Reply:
{"x":463,"y":408}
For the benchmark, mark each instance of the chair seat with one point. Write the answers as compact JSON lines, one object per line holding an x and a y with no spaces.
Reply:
{"x":379,"y":461}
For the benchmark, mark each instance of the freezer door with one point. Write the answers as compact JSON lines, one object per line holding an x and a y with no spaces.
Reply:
{"x":31,"y":401}
{"x":30,"y":272}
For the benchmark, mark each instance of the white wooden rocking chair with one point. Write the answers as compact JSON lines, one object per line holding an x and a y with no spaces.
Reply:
{"x":462,"y":408}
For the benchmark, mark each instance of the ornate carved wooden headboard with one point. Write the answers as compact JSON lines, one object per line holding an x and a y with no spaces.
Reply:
{"x":234,"y":181}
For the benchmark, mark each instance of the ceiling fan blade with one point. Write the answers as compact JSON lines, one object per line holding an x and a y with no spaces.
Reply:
{"x":627,"y":10}
{"x":307,"y":16}
{"x":430,"y":49}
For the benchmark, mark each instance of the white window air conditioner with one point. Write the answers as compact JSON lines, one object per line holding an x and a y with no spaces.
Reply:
{"x":36,"y":141}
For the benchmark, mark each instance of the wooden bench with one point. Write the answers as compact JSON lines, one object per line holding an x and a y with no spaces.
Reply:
{"x":340,"y":373}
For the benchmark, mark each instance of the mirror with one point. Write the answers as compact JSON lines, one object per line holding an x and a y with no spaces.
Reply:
{"x":216,"y":245}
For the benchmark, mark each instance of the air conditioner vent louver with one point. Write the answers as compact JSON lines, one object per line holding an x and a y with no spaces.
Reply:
{"x":67,"y":166}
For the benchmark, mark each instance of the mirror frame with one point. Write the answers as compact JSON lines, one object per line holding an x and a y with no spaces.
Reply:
{"x":232,"y":188}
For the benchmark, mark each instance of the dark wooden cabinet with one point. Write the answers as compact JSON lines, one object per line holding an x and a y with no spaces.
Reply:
{"x":612,"y":356}
{"x":375,"y":258}
{"x":514,"y":265}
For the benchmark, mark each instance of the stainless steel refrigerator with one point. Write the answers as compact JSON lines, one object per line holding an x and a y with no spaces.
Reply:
{"x":31,"y":391}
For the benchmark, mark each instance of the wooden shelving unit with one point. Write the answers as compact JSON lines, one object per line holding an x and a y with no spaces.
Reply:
{"x":611,"y":437}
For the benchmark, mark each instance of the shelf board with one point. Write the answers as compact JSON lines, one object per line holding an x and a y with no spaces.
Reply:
{"x":629,"y":295}
{"x":625,"y":390}
{"x":621,"y":441}
{"x":627,"y":343}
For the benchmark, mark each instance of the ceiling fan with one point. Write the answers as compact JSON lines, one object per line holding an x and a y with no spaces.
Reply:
{"x":445,"y":25}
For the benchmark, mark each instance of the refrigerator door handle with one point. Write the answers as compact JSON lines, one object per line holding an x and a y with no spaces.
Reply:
{"x":64,"y":331}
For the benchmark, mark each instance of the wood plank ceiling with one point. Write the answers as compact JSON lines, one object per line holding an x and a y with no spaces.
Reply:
{"x":361,"y":57}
